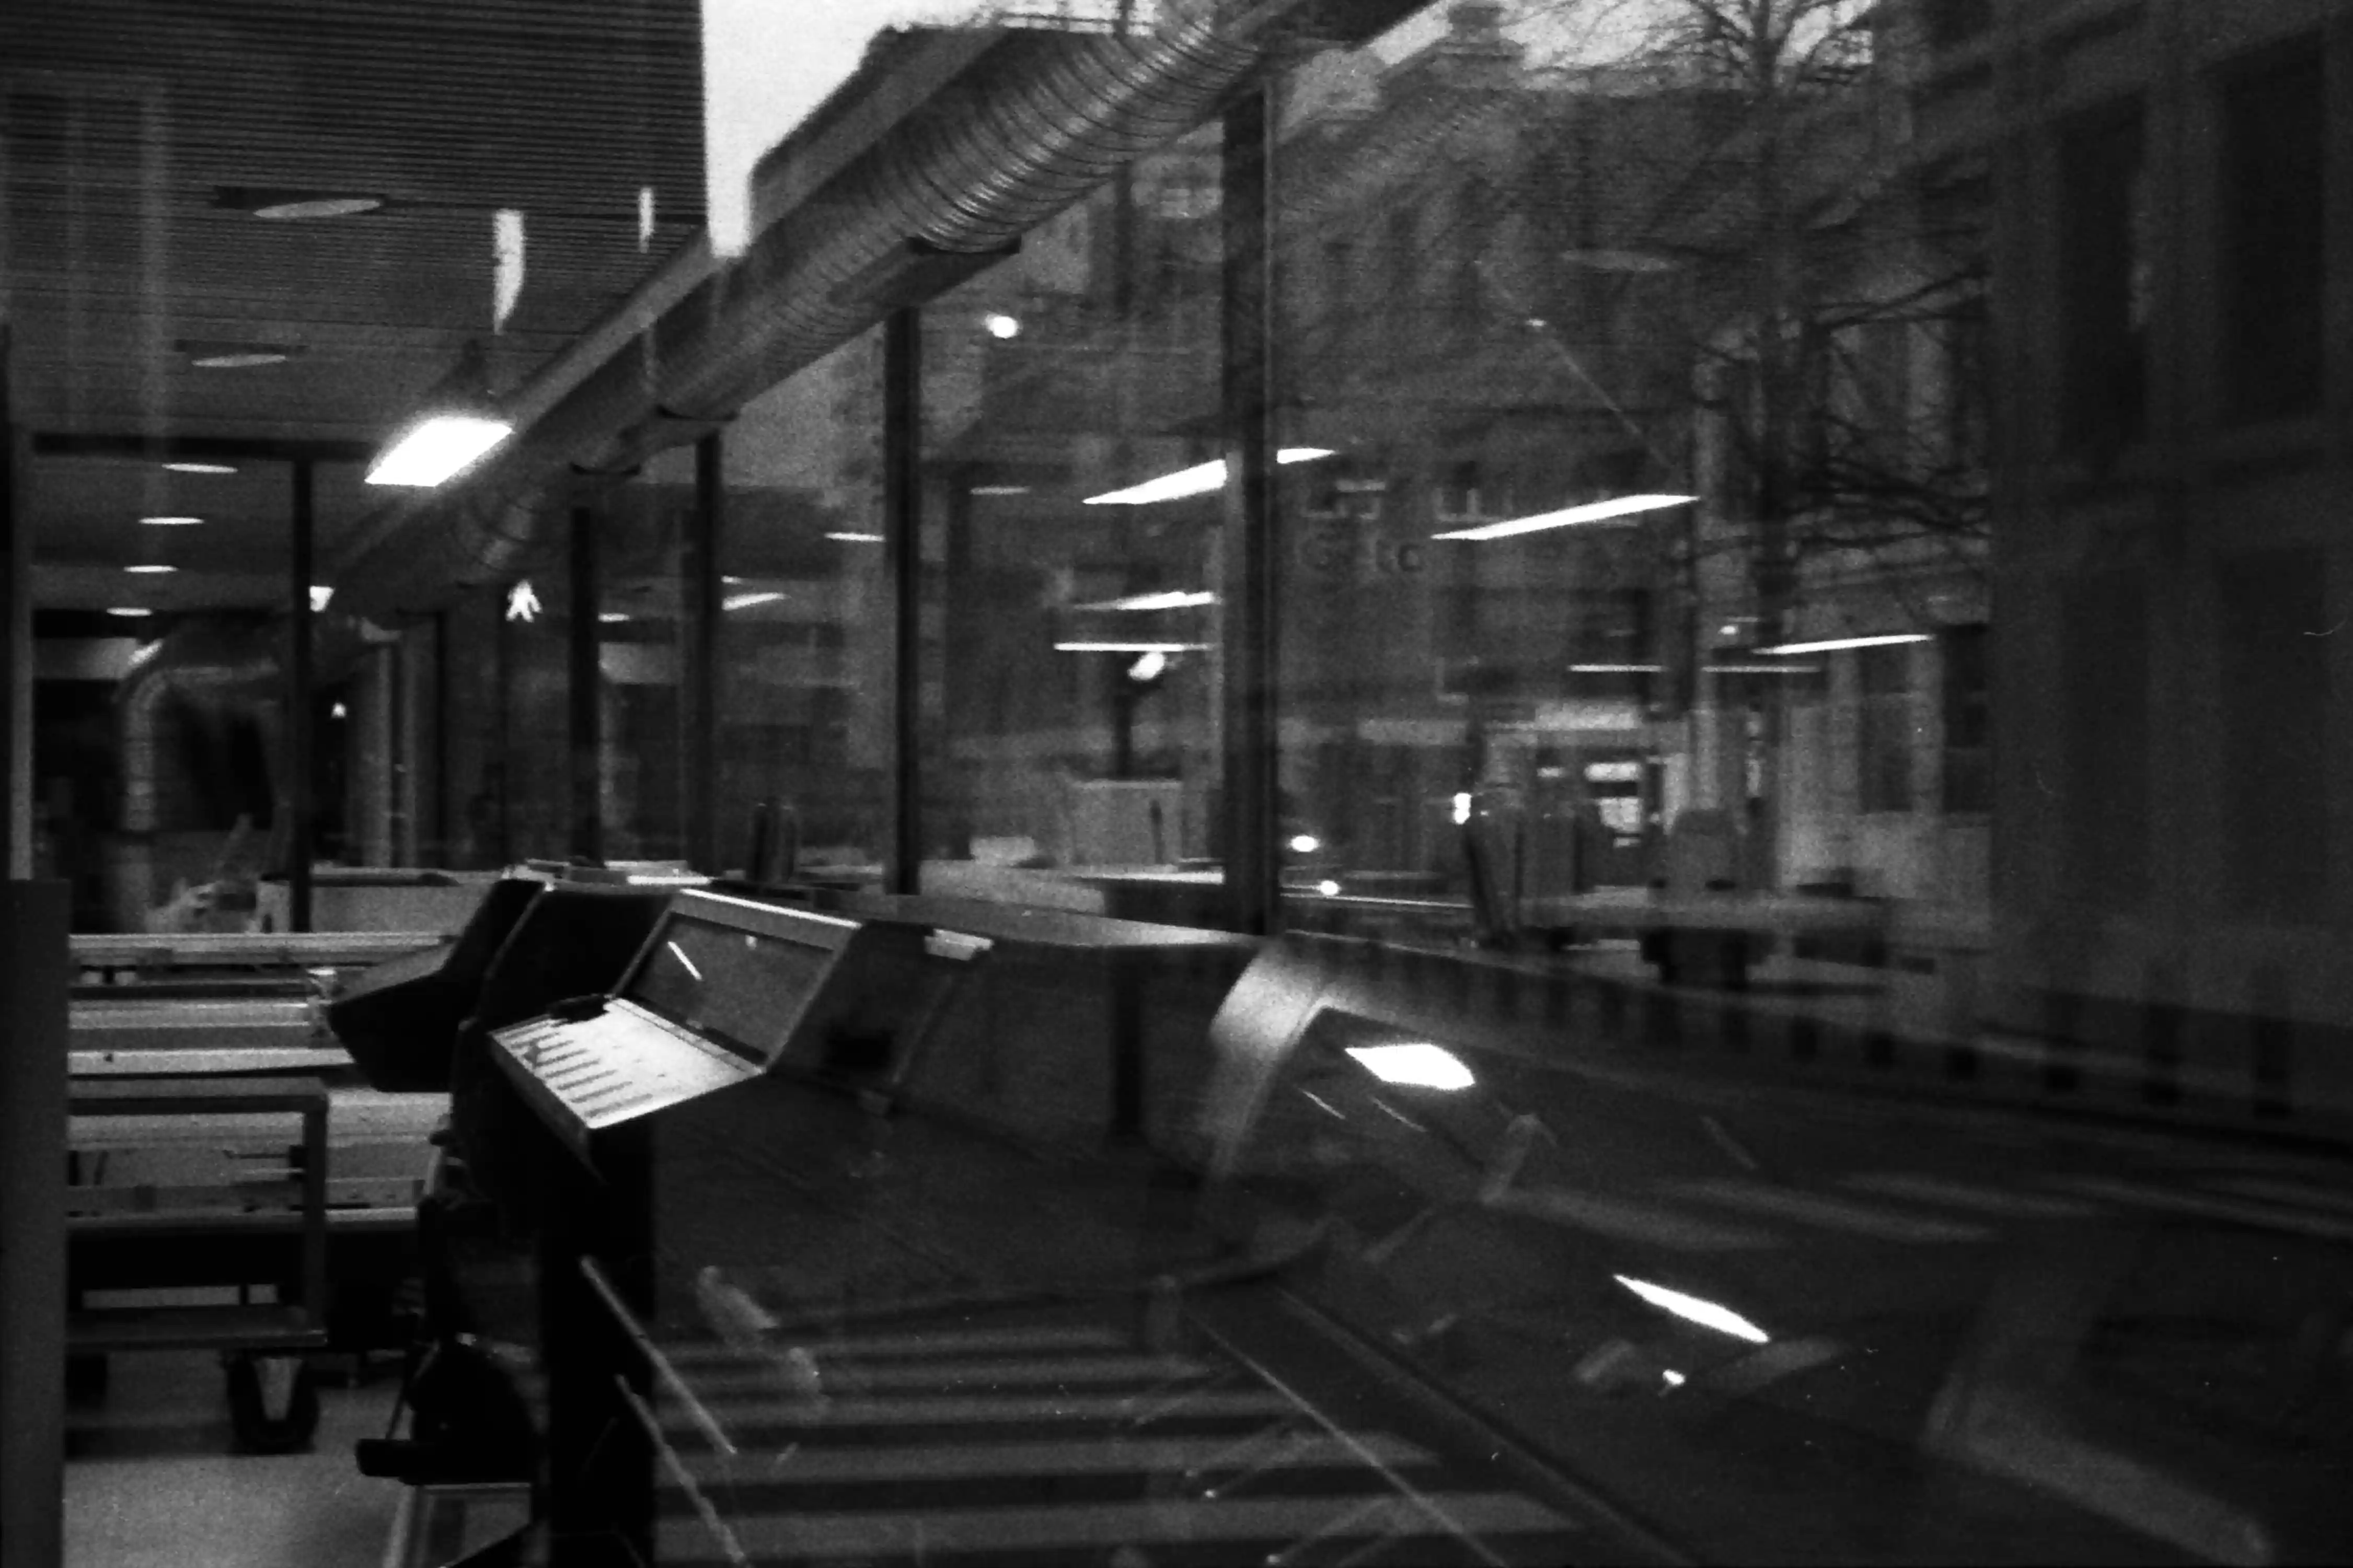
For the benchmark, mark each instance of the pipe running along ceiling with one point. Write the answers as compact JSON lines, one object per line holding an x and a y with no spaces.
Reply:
{"x":981,"y":136}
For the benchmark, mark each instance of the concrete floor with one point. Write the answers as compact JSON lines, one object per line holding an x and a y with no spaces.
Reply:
{"x":151,"y":1481}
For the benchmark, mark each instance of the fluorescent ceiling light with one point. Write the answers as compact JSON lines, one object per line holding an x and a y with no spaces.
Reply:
{"x":745,"y":601}
{"x":201,"y":468}
{"x":322,"y":596}
{"x":129,"y":610}
{"x":1614,"y":668}
{"x":152,"y":569}
{"x":1766,"y":668}
{"x":1176,"y":600}
{"x":612,"y":617}
{"x":1418,"y":1063}
{"x":848,"y":538}
{"x":170,"y":521}
{"x":1592,"y":511}
{"x":1692,"y":1310}
{"x":437,"y":448}
{"x":239,"y":359}
{"x":1198,"y":480}
{"x":1129,"y":647}
{"x":999,"y":490}
{"x":1835,"y":645}
{"x":282,"y":205}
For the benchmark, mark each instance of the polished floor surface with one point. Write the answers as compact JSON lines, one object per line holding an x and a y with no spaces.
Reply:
{"x":150,"y":1481}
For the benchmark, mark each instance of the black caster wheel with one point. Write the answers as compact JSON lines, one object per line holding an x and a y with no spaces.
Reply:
{"x":273,"y":1403}
{"x":86,"y":1375}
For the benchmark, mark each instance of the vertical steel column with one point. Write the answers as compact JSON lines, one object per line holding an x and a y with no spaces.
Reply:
{"x":443,"y":818}
{"x":301,"y":782}
{"x":1250,"y":813}
{"x":699,"y":660}
{"x":15,"y":635}
{"x":903,"y":518}
{"x":34,"y":967}
{"x":582,"y":689}
{"x":502,"y":652}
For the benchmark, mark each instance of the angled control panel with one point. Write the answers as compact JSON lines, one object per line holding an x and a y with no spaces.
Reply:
{"x":724,"y":990}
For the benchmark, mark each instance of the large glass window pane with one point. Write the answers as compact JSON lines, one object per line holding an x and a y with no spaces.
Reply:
{"x":1073,"y":499}
{"x":803,"y":681}
{"x":640,"y":625}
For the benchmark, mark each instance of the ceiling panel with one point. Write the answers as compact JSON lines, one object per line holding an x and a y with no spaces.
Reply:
{"x":123,"y":121}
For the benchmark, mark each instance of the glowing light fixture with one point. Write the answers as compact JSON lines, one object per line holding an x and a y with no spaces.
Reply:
{"x":1837,"y":645}
{"x":200,"y":469}
{"x":1569,"y":517}
{"x":1692,"y":1310}
{"x":1198,"y":480}
{"x":458,"y":425}
{"x":151,"y":569}
{"x":612,"y":617}
{"x":522,"y":602}
{"x":1331,"y":889}
{"x":437,"y":448}
{"x":745,"y":601}
{"x":852,"y":537}
{"x":1418,"y":1063}
{"x":339,"y":711}
{"x":239,"y":356}
{"x":679,"y":953}
{"x":1305,"y":844}
{"x":1462,"y":809}
{"x":1002,"y":326}
{"x":322,"y":596}
{"x":129,"y":610}
{"x":999,"y":490}
{"x":274,"y":206}
{"x":1614,"y":668}
{"x":1168,"y":600}
{"x":1151,"y":666}
{"x":1115,"y":647}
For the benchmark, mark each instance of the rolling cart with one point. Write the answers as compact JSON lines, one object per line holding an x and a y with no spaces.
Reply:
{"x":231,"y":1190}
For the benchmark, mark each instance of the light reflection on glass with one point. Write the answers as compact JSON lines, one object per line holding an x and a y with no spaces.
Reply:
{"x":1418,"y":1063}
{"x":1693,"y":1309}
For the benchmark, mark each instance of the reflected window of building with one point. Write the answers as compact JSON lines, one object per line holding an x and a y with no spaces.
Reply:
{"x":2277,"y":730}
{"x":2104,"y":275}
{"x":2273,"y":198}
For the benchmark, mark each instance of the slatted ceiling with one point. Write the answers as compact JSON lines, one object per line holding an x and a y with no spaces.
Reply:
{"x":121,"y":118}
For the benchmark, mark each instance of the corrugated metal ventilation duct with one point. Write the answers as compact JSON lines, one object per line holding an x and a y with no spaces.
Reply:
{"x":1023,"y":123}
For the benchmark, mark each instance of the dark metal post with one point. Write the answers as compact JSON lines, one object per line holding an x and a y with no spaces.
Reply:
{"x":16,"y":638}
{"x":902,"y":506}
{"x":34,"y":967}
{"x":1250,"y":816}
{"x":443,"y":819}
{"x":699,"y":657}
{"x":584,"y":692}
{"x":301,"y":782}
